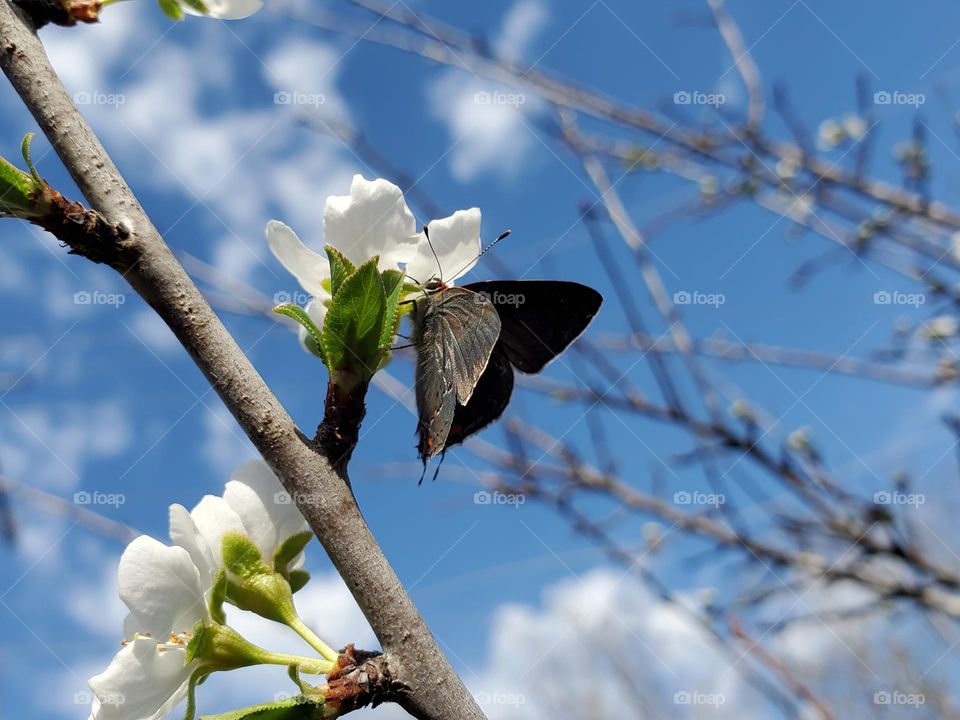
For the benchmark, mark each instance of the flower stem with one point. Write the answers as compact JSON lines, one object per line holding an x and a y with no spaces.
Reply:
{"x":327,"y":652}
{"x":311,"y":666}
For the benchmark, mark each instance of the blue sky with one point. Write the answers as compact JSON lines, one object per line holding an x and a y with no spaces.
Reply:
{"x":108,"y":402}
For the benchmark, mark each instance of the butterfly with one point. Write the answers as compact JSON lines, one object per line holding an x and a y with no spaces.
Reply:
{"x":471,"y":338}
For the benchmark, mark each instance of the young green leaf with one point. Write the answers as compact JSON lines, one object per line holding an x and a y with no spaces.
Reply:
{"x":354,"y":323}
{"x":340,"y":268}
{"x":25,"y":151}
{"x":314,"y":340}
{"x":294,"y":708}
{"x":392,"y":289}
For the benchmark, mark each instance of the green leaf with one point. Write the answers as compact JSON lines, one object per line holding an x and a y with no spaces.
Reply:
{"x":172,"y":9}
{"x":354,"y":323}
{"x":294,"y":708}
{"x":242,"y":557}
{"x":25,"y":151}
{"x":340,"y":268}
{"x":392,"y":289}
{"x":297,"y":579}
{"x":314,"y":334}
{"x":290,"y":548}
{"x":218,"y":594}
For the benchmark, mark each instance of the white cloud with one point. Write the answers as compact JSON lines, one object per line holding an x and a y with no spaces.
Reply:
{"x":154,"y":332}
{"x":488,"y":125}
{"x":520,"y":26}
{"x":307,"y":72}
{"x":49,"y":447}
{"x":225,"y":447}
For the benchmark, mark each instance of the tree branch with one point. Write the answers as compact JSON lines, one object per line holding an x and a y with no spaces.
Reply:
{"x":414,"y":659}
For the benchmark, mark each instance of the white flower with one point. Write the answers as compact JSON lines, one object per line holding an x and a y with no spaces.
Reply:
{"x":374,"y":220}
{"x":941,"y":327}
{"x":253,"y":503}
{"x":166,"y":596}
{"x":854,"y":126}
{"x":456,"y":242}
{"x":224,"y":9}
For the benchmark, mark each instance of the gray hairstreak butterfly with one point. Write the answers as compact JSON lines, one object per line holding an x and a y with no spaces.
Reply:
{"x":469,"y":340}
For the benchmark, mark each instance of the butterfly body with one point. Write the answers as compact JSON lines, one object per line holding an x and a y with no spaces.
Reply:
{"x":455,"y":331}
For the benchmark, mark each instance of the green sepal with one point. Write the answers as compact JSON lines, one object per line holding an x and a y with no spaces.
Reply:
{"x":392,"y":290}
{"x":354,"y":323}
{"x":297,"y":579}
{"x":340,"y":268}
{"x":314,"y":340}
{"x":171,"y":8}
{"x":218,"y":594}
{"x":290,"y":548}
{"x":294,"y":708}
{"x":308,"y":691}
{"x":242,"y":557}
{"x":197,"y":5}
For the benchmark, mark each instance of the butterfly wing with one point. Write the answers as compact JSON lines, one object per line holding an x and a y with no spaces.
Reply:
{"x":539,"y":318}
{"x":489,"y":400}
{"x":455,"y":333}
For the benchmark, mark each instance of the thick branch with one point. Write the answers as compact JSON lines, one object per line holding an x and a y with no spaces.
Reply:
{"x":322,"y":493}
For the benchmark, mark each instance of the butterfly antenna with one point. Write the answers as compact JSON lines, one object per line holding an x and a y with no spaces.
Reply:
{"x":426,"y":234}
{"x":503,"y":235}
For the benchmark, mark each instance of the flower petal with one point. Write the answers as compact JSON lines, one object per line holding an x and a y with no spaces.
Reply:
{"x":308,"y":267}
{"x":456,"y":241}
{"x":226,"y":9}
{"x":372,"y":220}
{"x":141,"y":683}
{"x":161,"y":587}
{"x":267,"y":511}
{"x":213,"y":518}
{"x":185,"y":533}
